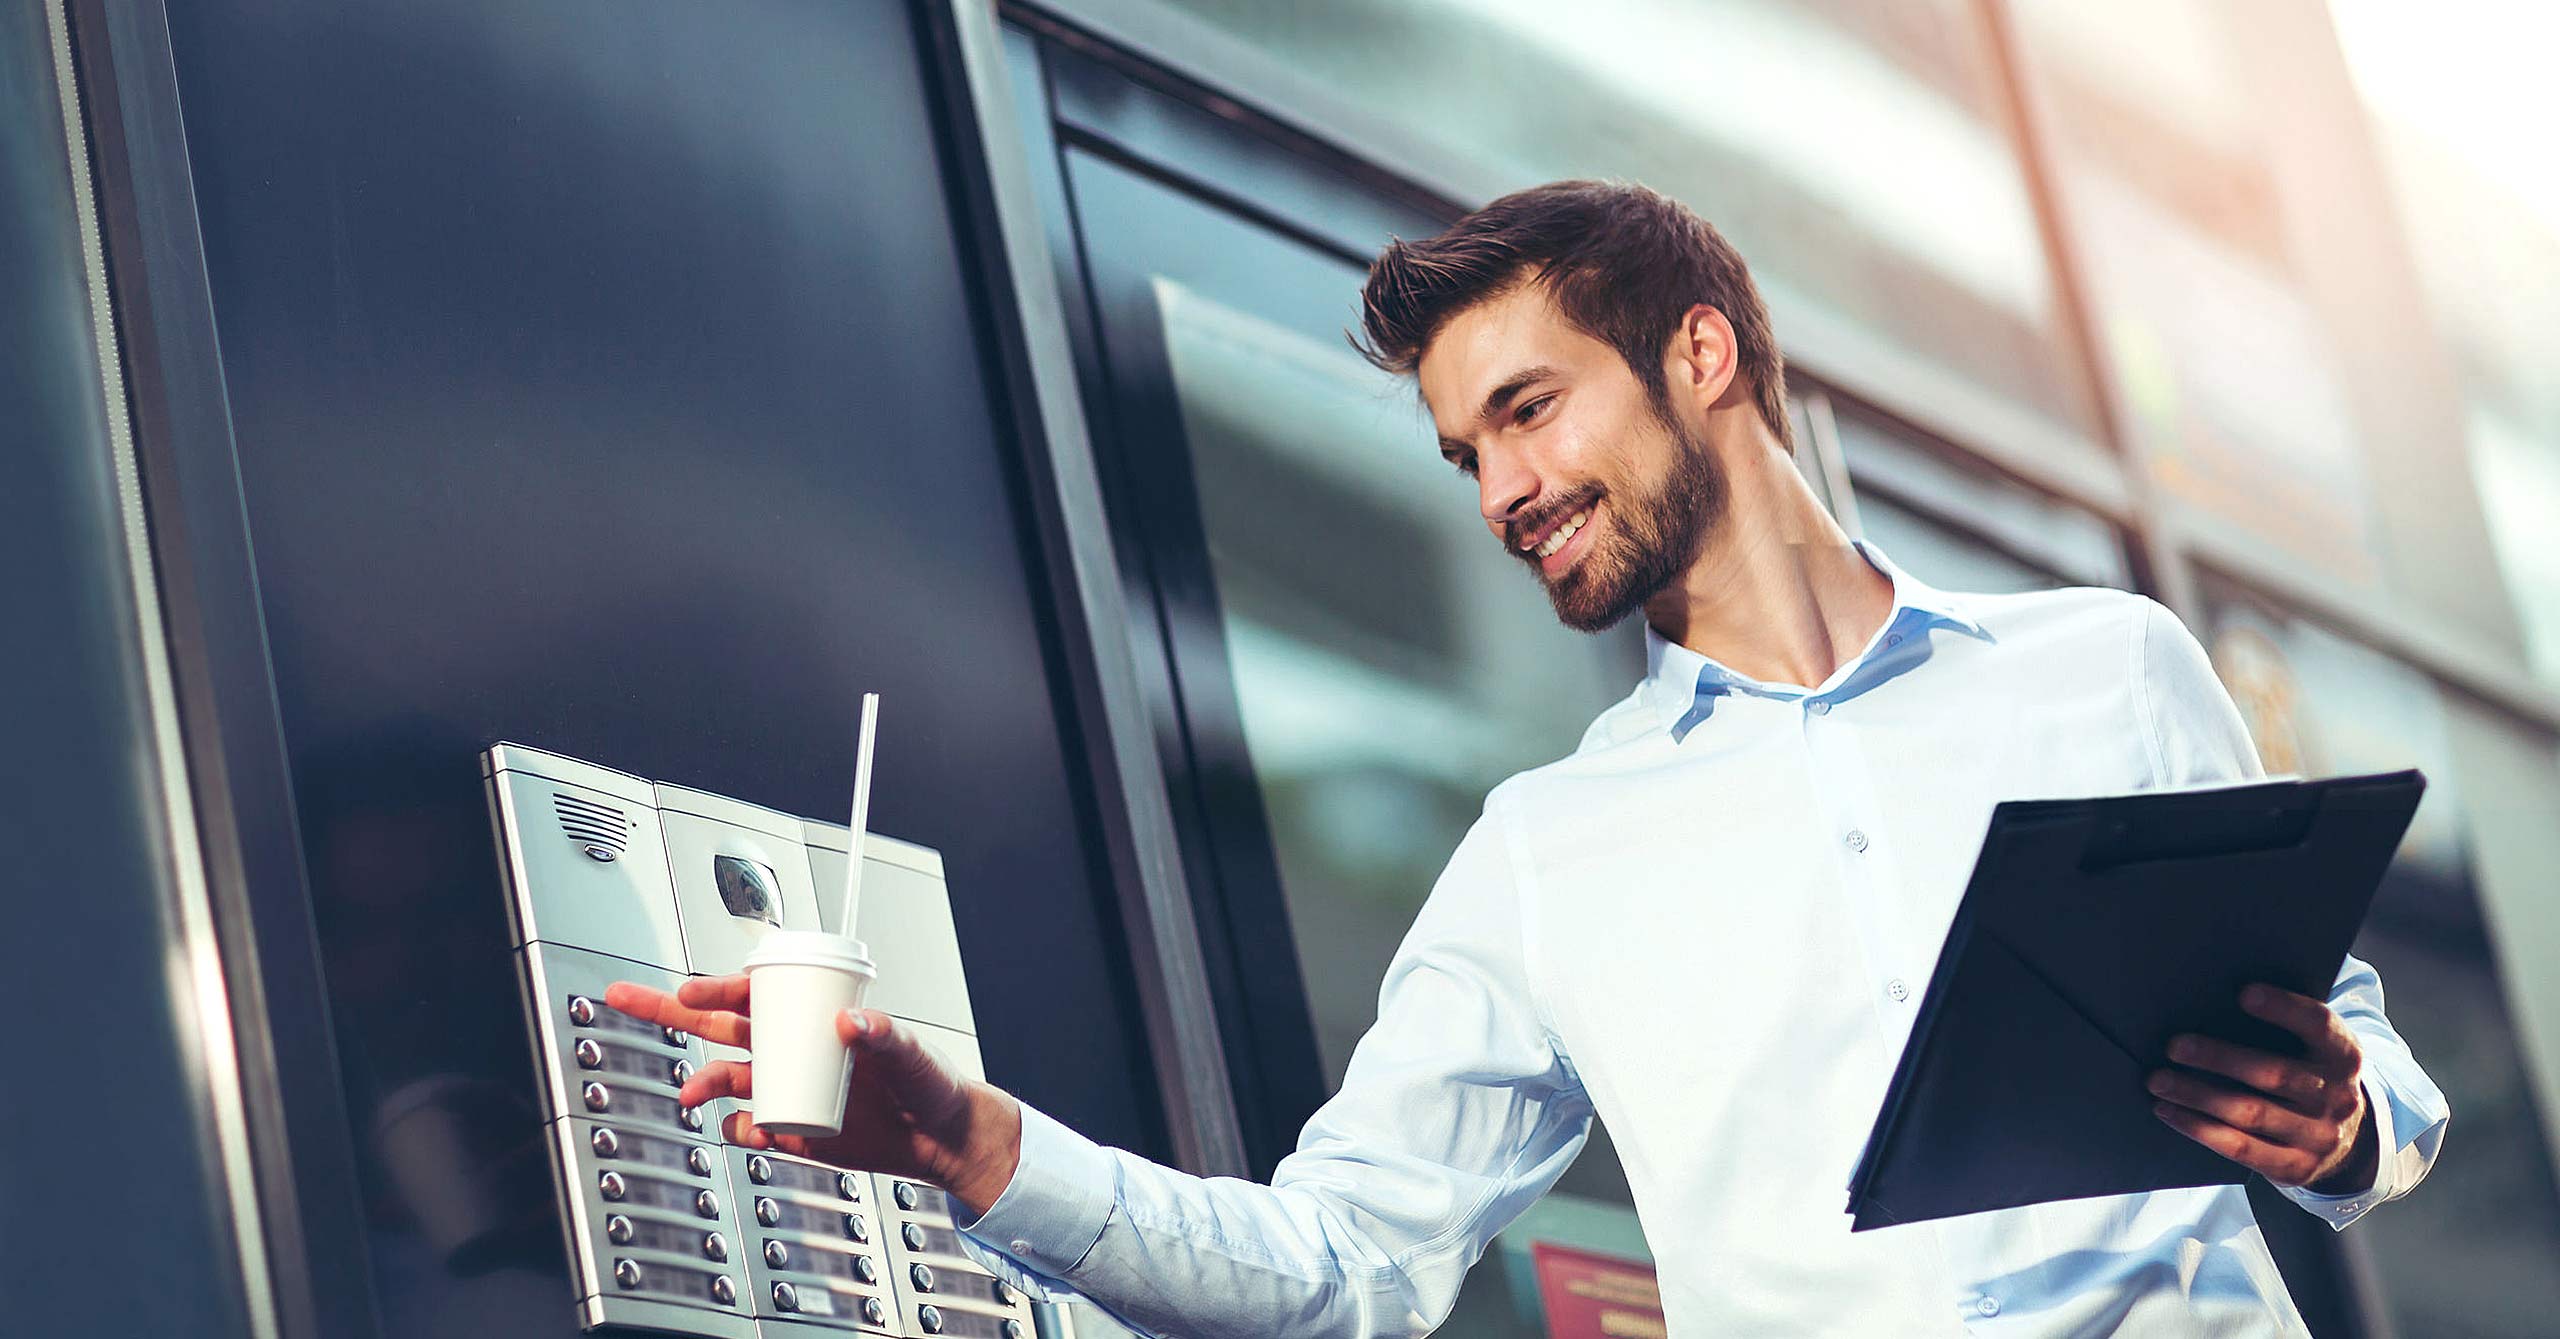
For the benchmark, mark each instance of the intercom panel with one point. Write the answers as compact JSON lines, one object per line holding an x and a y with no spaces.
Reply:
{"x":611,"y":877}
{"x":585,"y":858}
{"x":738,"y":870}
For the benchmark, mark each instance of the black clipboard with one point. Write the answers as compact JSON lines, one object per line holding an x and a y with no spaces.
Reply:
{"x":2093,"y":931}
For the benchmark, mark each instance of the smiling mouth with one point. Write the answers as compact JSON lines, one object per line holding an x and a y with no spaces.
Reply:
{"x":1547,"y":541}
{"x":1559,"y":548}
{"x":1562,"y":535}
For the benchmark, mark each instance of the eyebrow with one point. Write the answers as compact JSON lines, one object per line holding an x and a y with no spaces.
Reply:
{"x":1500,"y":398}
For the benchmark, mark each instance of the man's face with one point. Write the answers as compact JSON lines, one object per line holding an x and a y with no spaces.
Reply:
{"x":1579,"y":474}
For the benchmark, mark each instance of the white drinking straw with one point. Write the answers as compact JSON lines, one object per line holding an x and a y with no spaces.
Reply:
{"x":861,"y":809}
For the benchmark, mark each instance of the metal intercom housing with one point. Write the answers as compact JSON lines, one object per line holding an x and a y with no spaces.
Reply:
{"x":611,"y":877}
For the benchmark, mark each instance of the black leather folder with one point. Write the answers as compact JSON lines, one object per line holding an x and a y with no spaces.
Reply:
{"x":2093,"y":931}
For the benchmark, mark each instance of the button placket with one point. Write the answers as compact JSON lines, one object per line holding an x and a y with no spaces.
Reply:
{"x":1843,"y":797}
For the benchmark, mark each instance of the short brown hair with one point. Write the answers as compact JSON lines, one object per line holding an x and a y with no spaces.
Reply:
{"x":1623,"y":263}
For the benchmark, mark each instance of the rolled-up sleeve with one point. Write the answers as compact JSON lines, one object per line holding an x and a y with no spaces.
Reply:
{"x":1457,"y":1112}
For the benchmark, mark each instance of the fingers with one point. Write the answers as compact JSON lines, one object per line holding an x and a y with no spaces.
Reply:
{"x":720,"y":1078}
{"x":2245,"y":1110}
{"x":695,"y":1007}
{"x":741,"y":1129}
{"x":638,"y":1001}
{"x":2278,"y":1163}
{"x":2312,"y":1020}
{"x":715,"y":992}
{"x":2306,"y":1086}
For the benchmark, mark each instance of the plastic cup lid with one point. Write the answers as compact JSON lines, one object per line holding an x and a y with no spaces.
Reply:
{"x":811,"y":948}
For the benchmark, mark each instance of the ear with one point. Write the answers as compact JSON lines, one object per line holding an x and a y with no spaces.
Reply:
{"x":1699,"y":363}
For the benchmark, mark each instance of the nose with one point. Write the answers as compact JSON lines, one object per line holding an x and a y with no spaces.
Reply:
{"x":1504,"y":488}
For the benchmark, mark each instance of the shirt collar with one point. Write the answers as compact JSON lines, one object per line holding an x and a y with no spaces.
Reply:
{"x":1682,"y":685}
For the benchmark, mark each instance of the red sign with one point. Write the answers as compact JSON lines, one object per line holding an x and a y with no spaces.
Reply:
{"x":1592,"y":1296}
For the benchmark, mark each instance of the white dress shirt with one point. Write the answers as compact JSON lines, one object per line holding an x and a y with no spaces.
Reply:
{"x":1711,"y":925}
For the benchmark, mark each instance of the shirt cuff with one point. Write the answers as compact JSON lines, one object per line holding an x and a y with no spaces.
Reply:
{"x":1054,"y":1209}
{"x":2339,"y":1210}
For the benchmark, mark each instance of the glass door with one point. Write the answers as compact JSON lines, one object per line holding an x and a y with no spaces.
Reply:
{"x":1345,"y":664}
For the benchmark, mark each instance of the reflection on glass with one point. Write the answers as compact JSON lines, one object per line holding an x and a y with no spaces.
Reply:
{"x":1897,"y":478}
{"x":1945,"y":557}
{"x":2461,"y":101}
{"x":2518,"y":475}
{"x":2226,"y":376}
{"x":2469,"y":1252}
{"x":1858,"y":152}
{"x":1392,"y":665}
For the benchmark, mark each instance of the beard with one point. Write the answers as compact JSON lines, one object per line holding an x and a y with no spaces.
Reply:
{"x":1649,"y":542}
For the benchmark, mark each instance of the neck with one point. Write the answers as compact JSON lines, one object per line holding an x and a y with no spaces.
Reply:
{"x":1778,"y":593}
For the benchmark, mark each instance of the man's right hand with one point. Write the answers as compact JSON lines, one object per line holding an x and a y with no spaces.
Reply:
{"x":907,"y":1113}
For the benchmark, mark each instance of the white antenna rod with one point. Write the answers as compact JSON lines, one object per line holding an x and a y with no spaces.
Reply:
{"x":861,"y":810}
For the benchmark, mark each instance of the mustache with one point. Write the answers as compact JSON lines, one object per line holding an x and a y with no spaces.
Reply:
{"x":1517,"y":532}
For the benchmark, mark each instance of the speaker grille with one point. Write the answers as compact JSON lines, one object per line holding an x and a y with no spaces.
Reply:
{"x":593,"y":826}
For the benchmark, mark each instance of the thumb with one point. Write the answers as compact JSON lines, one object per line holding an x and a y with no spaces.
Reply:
{"x":896,"y":1058}
{"x":860,"y":1028}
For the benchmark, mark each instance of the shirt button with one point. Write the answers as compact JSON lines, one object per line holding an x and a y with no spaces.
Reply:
{"x":1894,"y":640}
{"x":1021,"y":1248}
{"x":1819,"y":708}
{"x":1989,"y":1306}
{"x":1897,"y":990}
{"x":1857,"y":841}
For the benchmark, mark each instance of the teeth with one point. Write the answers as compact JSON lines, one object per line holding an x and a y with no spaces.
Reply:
{"x":1563,"y":534}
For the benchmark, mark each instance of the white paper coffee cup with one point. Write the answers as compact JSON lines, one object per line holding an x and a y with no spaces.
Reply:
{"x":798,"y":981}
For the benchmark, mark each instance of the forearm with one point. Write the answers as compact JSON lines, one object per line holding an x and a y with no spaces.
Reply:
{"x":1457,"y":1111}
{"x":1337,"y":1248}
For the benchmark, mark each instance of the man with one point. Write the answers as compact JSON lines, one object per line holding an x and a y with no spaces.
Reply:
{"x":1710,"y":922}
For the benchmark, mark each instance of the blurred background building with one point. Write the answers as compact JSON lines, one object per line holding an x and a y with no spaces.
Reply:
{"x":2251,"y":305}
